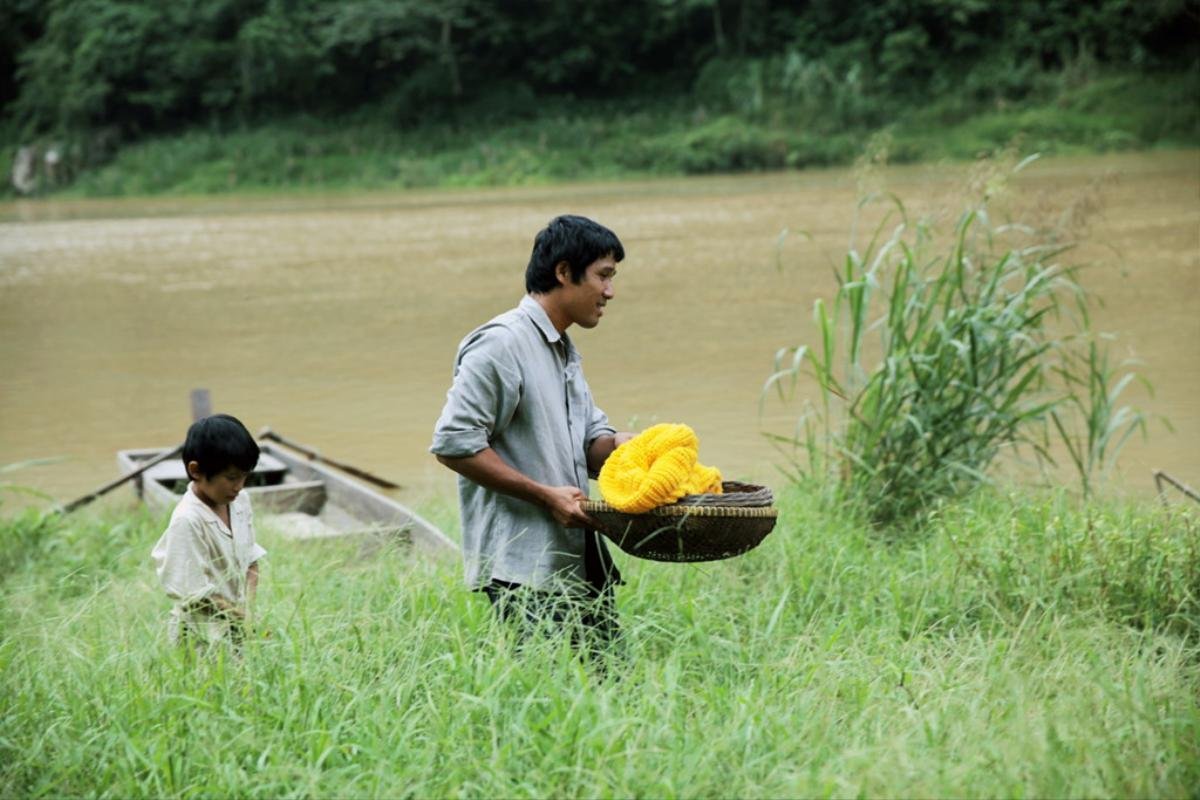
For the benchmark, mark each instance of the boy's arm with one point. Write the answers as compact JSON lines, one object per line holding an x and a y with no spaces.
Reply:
{"x":251,"y":584}
{"x":257,"y":552}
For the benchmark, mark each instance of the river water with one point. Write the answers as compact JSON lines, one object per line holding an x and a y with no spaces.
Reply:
{"x":334,"y":318}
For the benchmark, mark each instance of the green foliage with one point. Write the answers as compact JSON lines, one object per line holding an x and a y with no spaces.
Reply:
{"x":1154,"y":108}
{"x":138,"y":66}
{"x":92,"y":79}
{"x":22,"y":537}
{"x":790,"y":85}
{"x":726,"y":144}
{"x":601,"y":140}
{"x":101,"y":63}
{"x":1133,"y":567}
{"x":85,"y":550}
{"x":1025,"y":648}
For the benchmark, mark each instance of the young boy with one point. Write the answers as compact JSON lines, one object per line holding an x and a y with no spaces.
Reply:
{"x":207,"y":558}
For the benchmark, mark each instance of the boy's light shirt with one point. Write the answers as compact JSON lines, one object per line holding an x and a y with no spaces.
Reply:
{"x":198,"y":556}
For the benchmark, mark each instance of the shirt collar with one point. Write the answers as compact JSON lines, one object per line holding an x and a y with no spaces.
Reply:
{"x":206,"y":512}
{"x":540,"y":318}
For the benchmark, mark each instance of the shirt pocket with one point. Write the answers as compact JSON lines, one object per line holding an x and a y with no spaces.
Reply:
{"x":578,"y":411}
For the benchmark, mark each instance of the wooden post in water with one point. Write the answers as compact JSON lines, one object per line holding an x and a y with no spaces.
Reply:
{"x":201,"y":404}
{"x":201,"y":408}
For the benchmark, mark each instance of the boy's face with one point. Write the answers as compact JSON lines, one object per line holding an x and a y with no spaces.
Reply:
{"x":219,"y":490}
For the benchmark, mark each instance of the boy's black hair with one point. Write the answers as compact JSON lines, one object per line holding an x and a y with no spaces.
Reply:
{"x":576,"y":240}
{"x":219,"y":442}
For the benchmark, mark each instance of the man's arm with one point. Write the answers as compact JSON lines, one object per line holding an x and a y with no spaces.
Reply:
{"x":602,"y":447}
{"x":489,"y":470}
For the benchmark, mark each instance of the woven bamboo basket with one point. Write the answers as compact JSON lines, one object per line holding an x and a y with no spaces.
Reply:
{"x":697,"y":528}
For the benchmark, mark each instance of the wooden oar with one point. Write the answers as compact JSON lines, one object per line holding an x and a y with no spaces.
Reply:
{"x":108,"y":487}
{"x":313,"y":455}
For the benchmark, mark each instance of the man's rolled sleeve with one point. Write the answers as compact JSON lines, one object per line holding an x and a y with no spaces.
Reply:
{"x":481,"y":400}
{"x":598,"y":424}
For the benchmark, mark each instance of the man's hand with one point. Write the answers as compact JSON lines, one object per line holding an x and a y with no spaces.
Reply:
{"x":487,"y":469}
{"x":565,"y":504}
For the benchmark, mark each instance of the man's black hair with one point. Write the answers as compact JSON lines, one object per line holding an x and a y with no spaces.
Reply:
{"x":576,"y":240}
{"x":219,"y":442}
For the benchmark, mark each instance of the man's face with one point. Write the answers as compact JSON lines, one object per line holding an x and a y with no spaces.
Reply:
{"x":584,"y":302}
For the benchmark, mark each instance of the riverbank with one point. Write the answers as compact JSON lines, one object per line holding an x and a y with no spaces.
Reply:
{"x":561,"y":142}
{"x":1024,"y":646}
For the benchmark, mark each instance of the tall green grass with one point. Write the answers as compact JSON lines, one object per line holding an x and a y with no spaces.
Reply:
{"x":1092,"y":425}
{"x":1023,"y":648}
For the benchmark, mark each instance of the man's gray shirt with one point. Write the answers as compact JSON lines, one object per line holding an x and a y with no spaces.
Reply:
{"x":519,"y":388}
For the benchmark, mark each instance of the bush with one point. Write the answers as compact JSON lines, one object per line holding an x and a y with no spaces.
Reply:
{"x":977,"y":353}
{"x":22,"y":537}
{"x":725,"y":144}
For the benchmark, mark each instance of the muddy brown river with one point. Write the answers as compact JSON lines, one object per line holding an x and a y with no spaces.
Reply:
{"x":334,"y":318}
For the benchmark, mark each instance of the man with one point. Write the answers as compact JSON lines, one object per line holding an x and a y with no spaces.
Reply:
{"x":522,"y":432}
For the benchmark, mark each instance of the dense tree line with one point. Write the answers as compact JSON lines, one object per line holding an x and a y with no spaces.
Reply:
{"x":132,"y":67}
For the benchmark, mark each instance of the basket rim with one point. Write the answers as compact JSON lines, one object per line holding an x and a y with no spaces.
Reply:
{"x":735,"y":493}
{"x":601,"y":507}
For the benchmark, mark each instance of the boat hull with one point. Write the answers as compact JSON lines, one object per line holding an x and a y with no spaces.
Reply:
{"x":310,"y":500}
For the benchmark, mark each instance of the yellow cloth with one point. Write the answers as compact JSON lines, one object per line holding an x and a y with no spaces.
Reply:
{"x":654,"y":468}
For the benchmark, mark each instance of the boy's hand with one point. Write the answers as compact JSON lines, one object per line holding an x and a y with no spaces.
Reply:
{"x":216,"y":606}
{"x":236,"y":617}
{"x":234,"y":613}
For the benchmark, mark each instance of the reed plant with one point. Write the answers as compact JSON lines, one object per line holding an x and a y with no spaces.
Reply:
{"x":938,"y":353}
{"x":1024,"y":650}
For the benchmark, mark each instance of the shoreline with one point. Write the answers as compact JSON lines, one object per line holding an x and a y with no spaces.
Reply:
{"x":65,"y":206}
{"x":588,"y":143}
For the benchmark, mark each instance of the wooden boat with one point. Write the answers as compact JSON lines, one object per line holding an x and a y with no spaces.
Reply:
{"x":306,"y":499}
